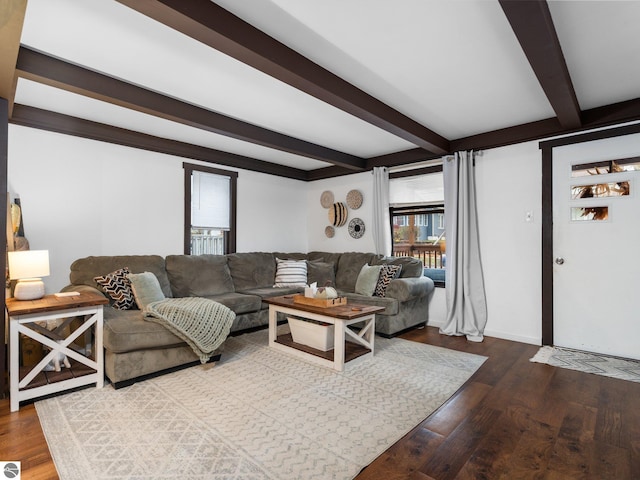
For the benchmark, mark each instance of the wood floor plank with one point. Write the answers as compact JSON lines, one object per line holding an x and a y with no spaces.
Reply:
{"x":454,"y":452}
{"x":512,"y":420}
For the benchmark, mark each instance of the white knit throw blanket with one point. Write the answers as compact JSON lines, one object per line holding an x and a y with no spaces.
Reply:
{"x":204,"y":324}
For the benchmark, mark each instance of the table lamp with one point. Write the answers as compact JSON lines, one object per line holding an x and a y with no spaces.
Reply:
{"x":27,"y":267}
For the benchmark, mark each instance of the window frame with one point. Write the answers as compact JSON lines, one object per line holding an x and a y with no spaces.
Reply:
{"x":229,"y":236}
{"x":426,"y":208}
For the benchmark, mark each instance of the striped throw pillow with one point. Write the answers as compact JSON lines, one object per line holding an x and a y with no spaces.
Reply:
{"x":291,"y":273}
{"x":387,"y":273}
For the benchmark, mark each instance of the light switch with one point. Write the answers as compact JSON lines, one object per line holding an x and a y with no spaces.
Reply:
{"x":528,"y":217}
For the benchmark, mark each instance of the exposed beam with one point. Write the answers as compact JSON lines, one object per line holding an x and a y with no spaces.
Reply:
{"x":51,"y":71}
{"x":11,"y":20}
{"x":212,"y":25}
{"x":57,"y":122}
{"x":403,"y":157}
{"x":531,"y":22}
{"x":593,"y":118}
{"x":327,"y":172}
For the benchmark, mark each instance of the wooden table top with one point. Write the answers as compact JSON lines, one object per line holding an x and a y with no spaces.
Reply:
{"x":50,"y":303}
{"x":343,"y":312}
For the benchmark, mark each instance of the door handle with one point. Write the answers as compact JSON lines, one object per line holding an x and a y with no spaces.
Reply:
{"x":559,"y":260}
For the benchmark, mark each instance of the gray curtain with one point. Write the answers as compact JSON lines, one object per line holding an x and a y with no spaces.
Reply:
{"x":466,"y":300}
{"x":381,"y":221}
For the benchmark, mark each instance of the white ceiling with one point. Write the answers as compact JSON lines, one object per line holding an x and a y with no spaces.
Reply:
{"x":455,"y":67}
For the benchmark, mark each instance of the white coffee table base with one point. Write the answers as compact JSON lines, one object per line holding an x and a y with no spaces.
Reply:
{"x":365,"y":336}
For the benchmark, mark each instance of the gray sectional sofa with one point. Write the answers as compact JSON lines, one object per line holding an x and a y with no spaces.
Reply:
{"x":136,"y":348}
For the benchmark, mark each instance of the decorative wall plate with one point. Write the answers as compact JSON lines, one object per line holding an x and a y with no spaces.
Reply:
{"x":329,"y":231}
{"x":356,"y":228}
{"x":354,"y":199}
{"x":326,"y":199}
{"x":338,"y":214}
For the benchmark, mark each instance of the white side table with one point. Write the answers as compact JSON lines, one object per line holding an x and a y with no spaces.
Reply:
{"x":23,"y":315}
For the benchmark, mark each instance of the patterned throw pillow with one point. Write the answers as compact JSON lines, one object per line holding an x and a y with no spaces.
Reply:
{"x":118,"y":287}
{"x":291,"y":273}
{"x":387,"y":273}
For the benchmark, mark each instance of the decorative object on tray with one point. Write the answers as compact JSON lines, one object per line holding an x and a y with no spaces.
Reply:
{"x":338,"y":214}
{"x":320,"y":302}
{"x":326,"y":292}
{"x":329,"y":231}
{"x":356,"y":228}
{"x":354,"y":199}
{"x":326,"y":199}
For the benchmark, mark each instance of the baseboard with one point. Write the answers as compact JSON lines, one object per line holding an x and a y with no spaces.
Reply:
{"x":496,"y":334}
{"x":514,"y":338}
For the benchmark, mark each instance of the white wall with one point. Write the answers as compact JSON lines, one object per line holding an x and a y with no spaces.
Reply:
{"x":319,"y":217}
{"x":82,"y":197}
{"x":508,"y":181}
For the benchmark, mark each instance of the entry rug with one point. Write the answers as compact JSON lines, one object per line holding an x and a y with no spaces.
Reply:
{"x":257,"y":414}
{"x":587,"y":362}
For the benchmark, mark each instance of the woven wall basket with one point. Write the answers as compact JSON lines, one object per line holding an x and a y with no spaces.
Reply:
{"x":338,"y":214}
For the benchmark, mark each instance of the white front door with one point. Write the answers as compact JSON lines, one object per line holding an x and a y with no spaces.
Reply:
{"x":596,"y":283}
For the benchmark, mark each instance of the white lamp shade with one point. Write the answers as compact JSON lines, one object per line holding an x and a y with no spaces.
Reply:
{"x":28,"y":264}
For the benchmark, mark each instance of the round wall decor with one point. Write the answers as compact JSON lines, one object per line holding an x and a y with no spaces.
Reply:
{"x":326,"y":199}
{"x":356,"y":228}
{"x":338,"y":214}
{"x":354,"y":199}
{"x":329,"y":231}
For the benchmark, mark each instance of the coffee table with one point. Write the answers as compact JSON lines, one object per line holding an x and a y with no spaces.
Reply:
{"x":349,"y":344}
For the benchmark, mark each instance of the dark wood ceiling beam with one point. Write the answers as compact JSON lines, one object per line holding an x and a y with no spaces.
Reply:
{"x":11,"y":20}
{"x":51,"y":71}
{"x":403,"y":157}
{"x":533,"y":26}
{"x":615,"y":113}
{"x":56,"y":122}
{"x":218,"y":28}
{"x":604,"y":116}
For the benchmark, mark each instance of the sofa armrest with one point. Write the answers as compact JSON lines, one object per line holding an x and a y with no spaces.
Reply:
{"x":81,"y":289}
{"x":404,"y":289}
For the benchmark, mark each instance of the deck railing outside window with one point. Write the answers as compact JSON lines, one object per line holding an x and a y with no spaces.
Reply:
{"x":207,"y":243}
{"x":430,"y":254}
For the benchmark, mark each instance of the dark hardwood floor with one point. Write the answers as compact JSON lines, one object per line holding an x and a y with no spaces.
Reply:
{"x":512,"y":420}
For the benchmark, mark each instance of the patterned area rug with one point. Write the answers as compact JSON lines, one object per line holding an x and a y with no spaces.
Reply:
{"x":621,"y":368}
{"x":257,"y":414}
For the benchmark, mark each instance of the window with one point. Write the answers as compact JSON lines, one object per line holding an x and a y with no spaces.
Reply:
{"x":417,"y":218}
{"x":209,"y":211}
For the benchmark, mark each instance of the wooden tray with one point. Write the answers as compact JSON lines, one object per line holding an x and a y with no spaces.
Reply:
{"x":320,"y":302}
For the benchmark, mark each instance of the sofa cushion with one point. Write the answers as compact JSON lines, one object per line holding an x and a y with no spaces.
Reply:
{"x":267,"y":292}
{"x":349,"y":267}
{"x":127,"y":331}
{"x":367,"y":279}
{"x":411,"y":267}
{"x":118,"y":288}
{"x":84,"y":270}
{"x":146,"y":289}
{"x":387,"y":273}
{"x":252,"y":270}
{"x":238,"y":302}
{"x":290,"y":273}
{"x":322,"y":273}
{"x":199,"y":275}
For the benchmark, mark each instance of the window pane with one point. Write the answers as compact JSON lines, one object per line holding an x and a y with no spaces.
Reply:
{"x":210,"y":196}
{"x":599,"y":190}
{"x":602,"y":168}
{"x":207,"y":242}
{"x":589,"y":213}
{"x":418,"y":190}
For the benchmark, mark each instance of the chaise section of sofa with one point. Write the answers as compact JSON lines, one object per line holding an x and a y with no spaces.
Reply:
{"x":136,"y":348}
